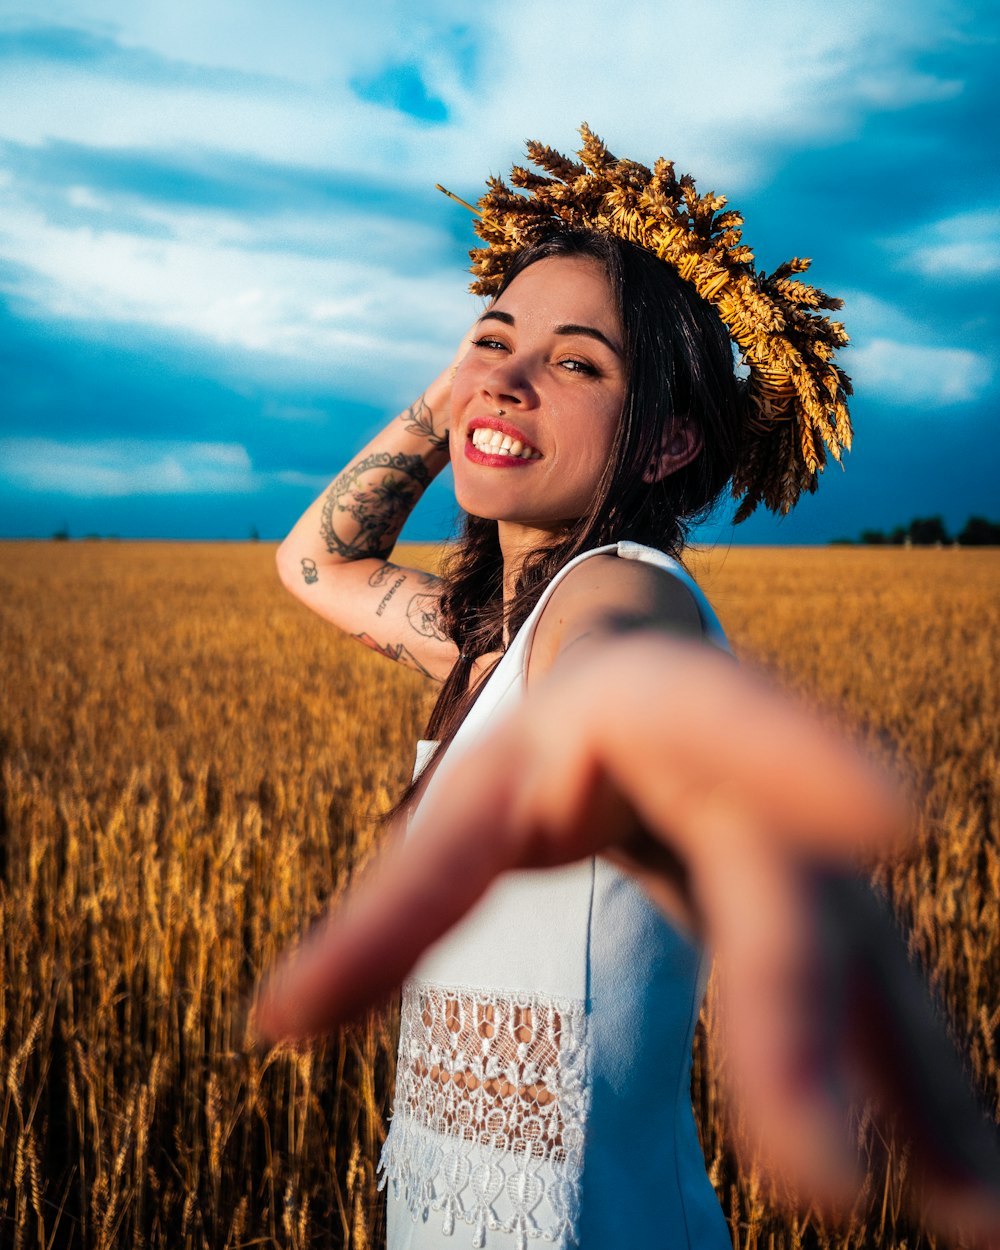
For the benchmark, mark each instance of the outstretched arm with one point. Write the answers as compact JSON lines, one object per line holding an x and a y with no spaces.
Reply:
{"x":656,"y":753}
{"x":651,"y":733}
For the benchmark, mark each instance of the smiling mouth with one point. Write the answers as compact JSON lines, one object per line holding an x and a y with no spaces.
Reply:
{"x":493,"y":442}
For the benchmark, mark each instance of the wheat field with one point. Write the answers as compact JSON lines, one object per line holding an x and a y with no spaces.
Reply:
{"x":192,"y":765}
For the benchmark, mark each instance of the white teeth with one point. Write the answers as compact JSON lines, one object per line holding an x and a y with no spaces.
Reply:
{"x":496,"y":443}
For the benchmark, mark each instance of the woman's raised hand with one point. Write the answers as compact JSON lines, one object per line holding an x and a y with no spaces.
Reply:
{"x":337,"y":557}
{"x":434,"y":406}
{"x":736,"y":809}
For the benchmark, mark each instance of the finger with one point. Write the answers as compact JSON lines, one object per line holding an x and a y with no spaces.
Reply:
{"x":891,"y":1029}
{"x":794,"y":1120}
{"x":968,"y":1213}
{"x":414,"y":895}
{"x":506,"y":806}
{"x":522,"y":798}
{"x":679,"y":720}
{"x":852,"y":1024}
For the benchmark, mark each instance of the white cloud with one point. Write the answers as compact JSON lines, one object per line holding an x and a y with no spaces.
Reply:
{"x":722,"y":87}
{"x":311,"y":482}
{"x":83,"y":197}
{"x":110,"y":468}
{"x":337,"y":314}
{"x":900,"y":373}
{"x":904,"y":87}
{"x":309,"y":42}
{"x":123,"y":468}
{"x":899,"y":361}
{"x":868,"y":316}
{"x":717,"y":85}
{"x":302,"y":108}
{"x":307,"y":414}
{"x":955,"y":249}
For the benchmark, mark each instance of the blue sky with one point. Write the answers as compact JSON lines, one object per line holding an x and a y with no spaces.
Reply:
{"x":223,"y":263}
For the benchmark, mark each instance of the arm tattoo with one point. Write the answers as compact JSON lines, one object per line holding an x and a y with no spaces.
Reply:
{"x":624,"y":621}
{"x":418,"y":419}
{"x":389,"y":593}
{"x":618,"y":621}
{"x":387,"y":570}
{"x":423,"y":614}
{"x":310,"y":572}
{"x":394,"y":651}
{"x":377,"y":494}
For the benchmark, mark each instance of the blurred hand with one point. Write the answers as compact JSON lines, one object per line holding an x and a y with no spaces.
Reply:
{"x":697,"y":777}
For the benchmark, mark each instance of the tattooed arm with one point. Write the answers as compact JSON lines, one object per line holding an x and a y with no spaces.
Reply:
{"x":336,"y":559}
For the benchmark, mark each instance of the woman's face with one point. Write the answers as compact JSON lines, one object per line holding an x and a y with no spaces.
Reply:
{"x":537,"y":399}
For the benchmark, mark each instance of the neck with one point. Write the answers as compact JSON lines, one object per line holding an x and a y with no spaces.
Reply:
{"x":516,"y":543}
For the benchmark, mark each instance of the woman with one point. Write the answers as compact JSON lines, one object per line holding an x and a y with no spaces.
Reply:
{"x":584,"y":726}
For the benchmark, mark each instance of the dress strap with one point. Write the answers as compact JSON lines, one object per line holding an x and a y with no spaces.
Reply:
{"x":510,"y":674}
{"x":425,"y":753}
{"x":521,"y":644}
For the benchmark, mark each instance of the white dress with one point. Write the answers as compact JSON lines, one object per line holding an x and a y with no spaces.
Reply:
{"x":543,"y":1081}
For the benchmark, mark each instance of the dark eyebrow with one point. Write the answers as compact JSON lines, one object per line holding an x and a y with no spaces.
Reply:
{"x":590,"y":331}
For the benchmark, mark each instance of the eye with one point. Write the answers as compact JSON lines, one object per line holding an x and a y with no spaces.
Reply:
{"x":573,"y":365}
{"x":489,"y":344}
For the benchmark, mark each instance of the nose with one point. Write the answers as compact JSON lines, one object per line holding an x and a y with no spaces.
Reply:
{"x":509,"y":385}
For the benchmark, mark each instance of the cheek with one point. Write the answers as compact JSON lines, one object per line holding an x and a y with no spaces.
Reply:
{"x":464,"y":387}
{"x":587,"y":466}
{"x":597,"y":434}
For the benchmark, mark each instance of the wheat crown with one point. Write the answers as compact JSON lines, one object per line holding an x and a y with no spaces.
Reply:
{"x":797,"y":394}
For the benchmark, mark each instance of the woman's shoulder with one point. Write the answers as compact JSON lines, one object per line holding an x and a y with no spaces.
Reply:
{"x":606,"y":595}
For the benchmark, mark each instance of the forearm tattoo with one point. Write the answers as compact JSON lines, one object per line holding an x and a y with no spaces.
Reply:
{"x":423,"y":613}
{"x":419,"y":419}
{"x":387,"y":570}
{"x":366,"y":506}
{"x":310,"y":572}
{"x":395,"y":651}
{"x":389,"y":593}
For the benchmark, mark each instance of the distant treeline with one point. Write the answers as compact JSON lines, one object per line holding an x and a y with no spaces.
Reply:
{"x":62,"y":535}
{"x":931,"y":531}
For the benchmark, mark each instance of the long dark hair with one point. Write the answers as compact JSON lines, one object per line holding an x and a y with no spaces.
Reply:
{"x":678,"y":363}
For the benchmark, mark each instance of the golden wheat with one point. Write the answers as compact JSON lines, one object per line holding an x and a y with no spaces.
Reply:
{"x":192,"y":765}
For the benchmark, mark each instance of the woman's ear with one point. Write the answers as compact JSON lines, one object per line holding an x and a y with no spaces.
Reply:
{"x":681,"y":442}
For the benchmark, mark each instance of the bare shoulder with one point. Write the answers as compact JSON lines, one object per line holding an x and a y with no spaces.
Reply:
{"x":608,"y":595}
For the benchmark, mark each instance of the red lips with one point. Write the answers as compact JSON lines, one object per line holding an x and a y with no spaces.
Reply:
{"x":481,"y":456}
{"x":505,"y":427}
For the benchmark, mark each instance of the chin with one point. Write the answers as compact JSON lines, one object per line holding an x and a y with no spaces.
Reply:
{"x":505,"y":511}
{"x":546,"y":530}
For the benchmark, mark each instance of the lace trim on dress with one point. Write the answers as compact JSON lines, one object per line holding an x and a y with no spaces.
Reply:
{"x":490,"y":1110}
